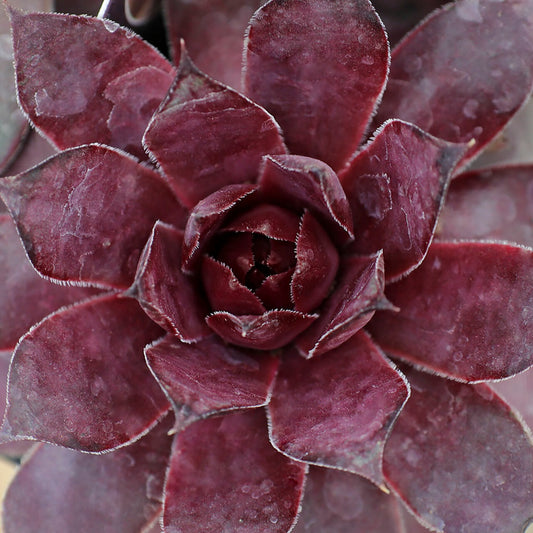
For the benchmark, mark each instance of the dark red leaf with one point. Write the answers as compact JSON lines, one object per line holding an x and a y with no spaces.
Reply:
{"x":209,"y":377}
{"x":206,"y":136}
{"x":317,"y":261}
{"x":85,"y":214}
{"x":79,"y":379}
{"x":212,"y":29}
{"x":268,"y":331}
{"x":26,"y":298}
{"x":396,"y":187}
{"x":466,"y":313}
{"x":63,"y":490}
{"x":319,"y":67}
{"x":225,"y":475}
{"x":458,"y":457}
{"x":471,"y":94}
{"x":237,"y":253}
{"x":490,"y":204}
{"x":168,"y":296}
{"x":304,"y":183}
{"x":336,"y":410}
{"x":275,"y":291}
{"x":72,"y":97}
{"x":358,"y":294}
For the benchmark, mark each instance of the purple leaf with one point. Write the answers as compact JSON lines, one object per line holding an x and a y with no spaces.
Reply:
{"x":478,"y":472}
{"x":467,"y":95}
{"x":319,"y":67}
{"x":304,"y":183}
{"x":64,"y":490}
{"x":466,"y":313}
{"x":347,"y":401}
{"x":358,"y":294}
{"x":396,"y":187}
{"x":268,"y":331}
{"x":210,"y":377}
{"x":225,"y":475}
{"x":168,"y":296}
{"x":206,"y":136}
{"x":68,"y":210}
{"x":26,"y":298}
{"x":78,"y":379}
{"x":317,"y":261}
{"x":212,"y":29}
{"x":490,"y":204}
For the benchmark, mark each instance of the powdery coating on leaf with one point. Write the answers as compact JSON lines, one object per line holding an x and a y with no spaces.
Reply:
{"x":395,"y":188}
{"x":319,"y":67}
{"x":206,"y":136}
{"x":212,"y":29}
{"x":169,"y":297}
{"x":478,"y":472}
{"x":359,"y":292}
{"x":302,"y":183}
{"x":467,"y":95}
{"x":85,"y":214}
{"x":79,"y":380}
{"x":63,"y":490}
{"x":225,"y":476}
{"x":26,"y":298}
{"x":66,"y":95}
{"x":336,"y":410}
{"x":466,"y":313}
{"x":208,"y":377}
{"x":490,"y":204}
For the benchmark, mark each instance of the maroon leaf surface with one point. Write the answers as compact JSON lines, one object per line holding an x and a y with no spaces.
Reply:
{"x":268,"y":331}
{"x":319,"y":67}
{"x":225,"y":475}
{"x":212,"y":29}
{"x":467,"y":95}
{"x":478,"y":472}
{"x":358,"y":294}
{"x":85,"y":214}
{"x":466,"y":313}
{"x":336,"y":410}
{"x":209,"y":377}
{"x":396,"y":187}
{"x":168,"y":296}
{"x":490,"y":204}
{"x":26,"y":298}
{"x":75,"y":98}
{"x":64,"y":490}
{"x":206,"y":136}
{"x":79,"y":379}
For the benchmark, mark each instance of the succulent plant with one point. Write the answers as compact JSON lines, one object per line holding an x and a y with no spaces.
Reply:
{"x":275,"y":308}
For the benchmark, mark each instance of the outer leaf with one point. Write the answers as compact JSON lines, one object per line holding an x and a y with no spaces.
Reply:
{"x":479,"y":471}
{"x":245,"y":485}
{"x":466,"y":313}
{"x":212,"y":29}
{"x":85,"y":214}
{"x":209,"y":377}
{"x":206,"y":136}
{"x":169,"y":297}
{"x":72,"y":97}
{"x":78,"y":379}
{"x":319,"y":67}
{"x":490,"y":204}
{"x":62,"y":490}
{"x":467,"y":95}
{"x":25,"y":298}
{"x":396,"y":187}
{"x":357,"y":296}
{"x":337,"y":410}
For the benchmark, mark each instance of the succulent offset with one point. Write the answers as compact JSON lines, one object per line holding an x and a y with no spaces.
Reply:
{"x":279,"y":311}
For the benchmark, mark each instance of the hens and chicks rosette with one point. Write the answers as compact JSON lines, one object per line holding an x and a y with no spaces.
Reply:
{"x":226,"y":250}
